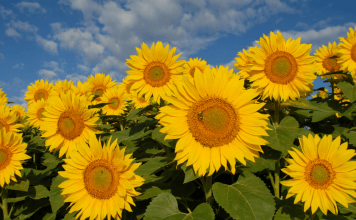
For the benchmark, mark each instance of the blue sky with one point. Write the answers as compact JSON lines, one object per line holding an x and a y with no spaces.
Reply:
{"x":71,"y":39}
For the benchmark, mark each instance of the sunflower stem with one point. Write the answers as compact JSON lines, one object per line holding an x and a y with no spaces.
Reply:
{"x":332,"y":90}
{"x":276,"y":112}
{"x":207,"y":184}
{"x":276,"y":180}
{"x":4,"y":202}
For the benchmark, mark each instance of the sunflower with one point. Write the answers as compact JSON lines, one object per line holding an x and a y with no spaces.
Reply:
{"x":83,"y":89}
{"x":126,"y":86}
{"x":35,"y":112}
{"x":215,"y":120}
{"x":243,"y":63}
{"x":116,"y":97}
{"x":139,"y":102}
{"x":196,"y":63}
{"x":67,"y":122}
{"x":101,"y":180}
{"x":281,"y":69}
{"x":322,"y":94}
{"x":19,"y":110}
{"x":326,"y":64}
{"x":154,"y":71}
{"x":3,"y":98}
{"x":322,"y":174}
{"x":347,"y":52}
{"x":61,"y":86}
{"x":12,"y":155}
{"x":8,"y":119}
{"x":99,"y":83}
{"x":37,"y":91}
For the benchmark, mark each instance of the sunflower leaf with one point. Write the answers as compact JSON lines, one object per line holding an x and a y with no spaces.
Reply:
{"x":22,"y":184}
{"x":153,"y":165}
{"x":248,"y":198}
{"x":190,"y":175}
{"x":55,"y":197}
{"x":348,"y":89}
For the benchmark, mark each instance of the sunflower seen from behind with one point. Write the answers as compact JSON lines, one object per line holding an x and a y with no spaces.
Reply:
{"x":12,"y":155}
{"x":116,"y":97}
{"x":40,"y":90}
{"x":347,"y":52}
{"x":215,"y":120}
{"x":67,"y":122}
{"x":154,"y":71}
{"x":281,"y":69}
{"x":321,"y":173}
{"x":101,"y":180}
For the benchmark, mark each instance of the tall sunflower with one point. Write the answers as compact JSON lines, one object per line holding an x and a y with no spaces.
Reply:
{"x":101,"y":180}
{"x":8,"y":119}
{"x":190,"y":66}
{"x":19,"y":110}
{"x":67,"y":122}
{"x":326,"y":64}
{"x":215,"y":120}
{"x":37,"y":91}
{"x":281,"y":69}
{"x":116,"y":97}
{"x":154,"y":71}
{"x":322,"y":174}
{"x":35,"y":112}
{"x":347,"y":52}
{"x":99,"y":83}
{"x":12,"y":155}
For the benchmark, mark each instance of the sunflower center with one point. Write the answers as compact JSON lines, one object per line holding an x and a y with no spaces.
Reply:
{"x":3,"y":124}
{"x":115,"y":102}
{"x":281,"y":67}
{"x":156,"y":74}
{"x":353,"y":53}
{"x":98,"y":90}
{"x":5,"y":157}
{"x":40,"y":113}
{"x":331,"y":65}
{"x":319,"y":174}
{"x":41,"y":94}
{"x":213,"y":122}
{"x":70,"y":125}
{"x":101,"y":179}
{"x":128,"y":87}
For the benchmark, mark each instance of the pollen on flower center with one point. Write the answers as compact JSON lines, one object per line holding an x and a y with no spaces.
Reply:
{"x":213,"y":122}
{"x":5,"y":157}
{"x":98,"y":90}
{"x":41,"y":94}
{"x":331,"y":64}
{"x":70,"y":125}
{"x":281,"y":67}
{"x":319,"y":174}
{"x":156,"y":74}
{"x":115,"y":102}
{"x":101,"y":179}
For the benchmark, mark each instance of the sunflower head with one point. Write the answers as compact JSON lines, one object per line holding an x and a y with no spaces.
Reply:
{"x":19,"y":111}
{"x":139,"y":102}
{"x":243,"y":63}
{"x":61,"y":86}
{"x":106,"y":178}
{"x":116,"y":97}
{"x":347,"y":52}
{"x":8,"y":119}
{"x":83,"y":89}
{"x":3,"y":98}
{"x":126,"y":86}
{"x":12,"y":155}
{"x":99,"y":83}
{"x":35,"y":112}
{"x":37,"y":91}
{"x":321,"y":173}
{"x":193,"y":64}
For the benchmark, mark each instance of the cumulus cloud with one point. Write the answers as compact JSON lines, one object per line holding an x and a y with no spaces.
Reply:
{"x":53,"y":65}
{"x":75,"y":77}
{"x":31,"y":7}
{"x":12,"y":32}
{"x":4,"y":13}
{"x":48,"y":45}
{"x":83,"y":68}
{"x":47,"y":74}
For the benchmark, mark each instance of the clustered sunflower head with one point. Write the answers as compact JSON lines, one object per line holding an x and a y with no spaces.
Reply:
{"x":154,"y":71}
{"x":8,"y":119}
{"x":193,"y":64}
{"x":116,"y":97}
{"x":321,"y":173}
{"x":99,"y":83}
{"x":35,"y":112}
{"x":12,"y":155}
{"x":37,"y":91}
{"x":243,"y":63}
{"x":347,"y":53}
{"x":19,"y":110}
{"x":215,"y":120}
{"x":100,"y":176}
{"x":61,"y":86}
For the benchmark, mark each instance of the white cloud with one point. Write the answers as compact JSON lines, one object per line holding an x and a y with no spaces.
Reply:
{"x":4,"y":13}
{"x":83,"y":68}
{"x":2,"y":56}
{"x":23,"y":26}
{"x":47,"y":74}
{"x":48,"y":45}
{"x":18,"y":66}
{"x":12,"y":32}
{"x":53,"y":65}
{"x":32,"y":7}
{"x":75,"y":77}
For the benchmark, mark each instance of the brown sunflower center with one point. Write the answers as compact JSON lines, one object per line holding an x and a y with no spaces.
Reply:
{"x":156,"y":74}
{"x":192,"y":70}
{"x":353,"y":52}
{"x":101,"y":179}
{"x":3,"y":124}
{"x":281,"y":67}
{"x":40,"y":114}
{"x":98,"y":90}
{"x":70,"y":125}
{"x":5,"y":157}
{"x":319,"y":174}
{"x":128,"y":87}
{"x":213,"y":122}
{"x":41,"y":94}
{"x":115,"y":103}
{"x":331,"y":65}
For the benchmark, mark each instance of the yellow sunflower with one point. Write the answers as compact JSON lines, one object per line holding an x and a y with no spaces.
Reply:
{"x":243,"y":63}
{"x":322,"y":94}
{"x":67,"y":122}
{"x":126,"y":85}
{"x":325,"y":64}
{"x":139,"y":102}
{"x":61,"y":86}
{"x":99,"y":83}
{"x":101,"y":180}
{"x":12,"y":155}
{"x":281,"y":69}
{"x":35,"y":112}
{"x":322,"y":174}
{"x":347,"y":52}
{"x":8,"y":119}
{"x":3,"y":98}
{"x":83,"y":89}
{"x":154,"y":71}
{"x":215,"y":120}
{"x":116,"y":97}
{"x":37,"y":91}
{"x":196,"y":63}
{"x":19,"y":110}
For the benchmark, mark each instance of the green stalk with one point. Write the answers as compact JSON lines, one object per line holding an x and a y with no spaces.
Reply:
{"x":276,"y":112}
{"x":332,"y":90}
{"x":277,"y":168}
{"x":4,"y":202}
{"x":207,"y":184}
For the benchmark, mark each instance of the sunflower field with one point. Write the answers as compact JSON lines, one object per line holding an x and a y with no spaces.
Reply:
{"x":184,"y":140}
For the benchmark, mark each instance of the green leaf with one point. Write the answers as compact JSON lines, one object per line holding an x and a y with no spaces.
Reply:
{"x":202,"y":212}
{"x":35,"y":192}
{"x":151,"y":166}
{"x":50,"y":216}
{"x":281,"y":137}
{"x":348,"y":89}
{"x":27,"y":208}
{"x":50,"y":161}
{"x":347,"y":113}
{"x":190,"y":175}
{"x":70,"y":216}
{"x":248,"y":198}
{"x":55,"y":197}
{"x":159,"y":137}
{"x":125,"y":135}
{"x":321,"y":111}
{"x":179,"y":189}
{"x":22,"y":184}
{"x":150,"y":193}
